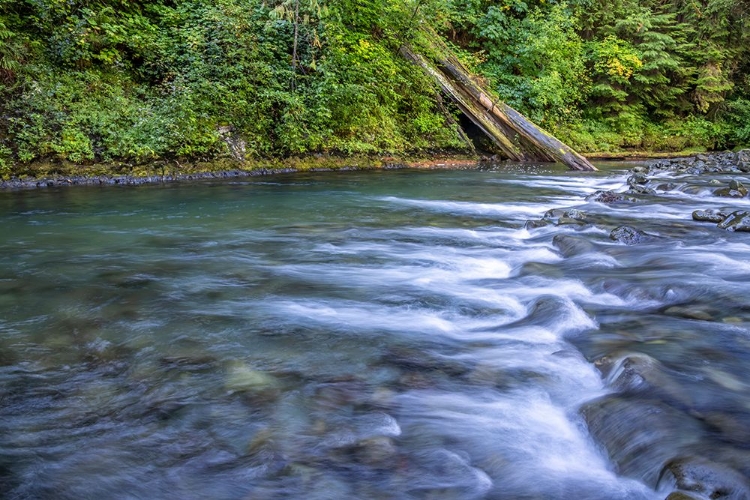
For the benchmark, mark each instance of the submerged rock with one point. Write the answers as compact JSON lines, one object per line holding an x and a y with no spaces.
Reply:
{"x":570,"y":246}
{"x":640,"y":435}
{"x":629,"y":235}
{"x":534,"y":224}
{"x":710,"y":480}
{"x":240,"y":378}
{"x":638,"y":373}
{"x":736,"y":221}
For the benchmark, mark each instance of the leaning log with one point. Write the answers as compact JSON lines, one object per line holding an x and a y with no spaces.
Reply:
{"x":481,"y":117}
{"x":514,"y":134}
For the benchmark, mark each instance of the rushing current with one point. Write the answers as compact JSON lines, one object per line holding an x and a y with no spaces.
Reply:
{"x":371,"y":335}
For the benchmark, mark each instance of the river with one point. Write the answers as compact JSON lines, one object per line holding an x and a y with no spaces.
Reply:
{"x":373,"y":335}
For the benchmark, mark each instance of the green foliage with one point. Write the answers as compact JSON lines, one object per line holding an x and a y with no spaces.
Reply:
{"x":536,"y":59}
{"x":103,"y":80}
{"x":737,"y":121}
{"x":156,"y":79}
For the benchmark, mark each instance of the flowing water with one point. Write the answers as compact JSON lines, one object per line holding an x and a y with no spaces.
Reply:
{"x":383,"y":334}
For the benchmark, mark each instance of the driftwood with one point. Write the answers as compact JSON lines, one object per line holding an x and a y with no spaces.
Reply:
{"x":514,"y":134}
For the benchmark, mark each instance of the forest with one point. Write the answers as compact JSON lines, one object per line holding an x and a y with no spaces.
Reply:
{"x":87,"y":81}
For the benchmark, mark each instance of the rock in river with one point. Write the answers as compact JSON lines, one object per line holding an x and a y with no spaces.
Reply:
{"x":709,"y":216}
{"x":736,"y":221}
{"x":710,"y":480}
{"x":735,"y":190}
{"x":638,"y":373}
{"x":641,"y":435}
{"x":610,"y":197}
{"x":629,"y":235}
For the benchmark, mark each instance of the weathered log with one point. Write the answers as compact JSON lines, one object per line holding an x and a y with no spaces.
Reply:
{"x":464,"y":101}
{"x":516,"y":136}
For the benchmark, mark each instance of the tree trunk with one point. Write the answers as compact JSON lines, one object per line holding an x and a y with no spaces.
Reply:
{"x":516,"y":136}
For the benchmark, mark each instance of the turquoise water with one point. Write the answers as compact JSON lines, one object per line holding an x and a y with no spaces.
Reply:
{"x":384,"y":334}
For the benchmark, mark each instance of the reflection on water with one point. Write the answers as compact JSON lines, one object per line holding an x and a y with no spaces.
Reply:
{"x":368,"y":335}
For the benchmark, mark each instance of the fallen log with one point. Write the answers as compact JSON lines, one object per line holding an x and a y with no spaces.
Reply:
{"x":514,"y":134}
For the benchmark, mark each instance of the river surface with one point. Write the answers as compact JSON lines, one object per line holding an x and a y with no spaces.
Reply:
{"x":370,"y":335}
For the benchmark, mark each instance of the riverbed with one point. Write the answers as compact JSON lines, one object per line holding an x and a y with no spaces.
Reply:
{"x":403,"y":334}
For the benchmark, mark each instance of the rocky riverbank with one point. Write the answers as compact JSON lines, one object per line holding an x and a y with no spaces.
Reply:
{"x":718,"y":175}
{"x":46,"y":175}
{"x":735,"y":166}
{"x":678,"y":428}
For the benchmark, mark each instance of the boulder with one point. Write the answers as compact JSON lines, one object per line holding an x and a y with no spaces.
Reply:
{"x":534,"y":224}
{"x":736,"y":221}
{"x":641,"y":435}
{"x":570,"y":246}
{"x":629,"y":235}
{"x":636,"y":179}
{"x":609,"y":197}
{"x":735,"y":190}
{"x":709,"y":216}
{"x":709,"y":479}
{"x":638,"y":373}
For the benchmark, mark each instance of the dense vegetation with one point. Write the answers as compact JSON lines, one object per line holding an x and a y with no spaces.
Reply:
{"x":103,"y":80}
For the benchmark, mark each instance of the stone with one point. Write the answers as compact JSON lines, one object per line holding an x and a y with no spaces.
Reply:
{"x":709,"y":215}
{"x":735,"y":190}
{"x":689,"y":313}
{"x":637,"y":178}
{"x":240,"y":378}
{"x":743,"y":155}
{"x":733,"y":427}
{"x":709,"y":479}
{"x":641,"y":189}
{"x":640,"y":435}
{"x":629,"y":235}
{"x":638,"y":373}
{"x":681,"y":495}
{"x":570,"y":246}
{"x":535,"y":224}
{"x":736,"y":221}
{"x":378,"y":452}
{"x":609,"y":197}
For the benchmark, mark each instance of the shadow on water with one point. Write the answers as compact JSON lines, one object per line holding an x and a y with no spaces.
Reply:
{"x":400,"y":334}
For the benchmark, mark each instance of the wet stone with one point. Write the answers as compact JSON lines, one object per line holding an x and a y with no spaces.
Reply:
{"x":735,"y":190}
{"x":736,"y":221}
{"x":609,"y":197}
{"x":689,"y":313}
{"x":629,"y":235}
{"x":640,"y":435}
{"x":570,"y":246}
{"x":733,"y":427}
{"x":638,"y":373}
{"x":709,"y":215}
{"x":681,"y":495}
{"x":379,"y":452}
{"x":711,"y":480}
{"x":641,"y":189}
{"x":535,"y":224}
{"x":637,"y":178}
